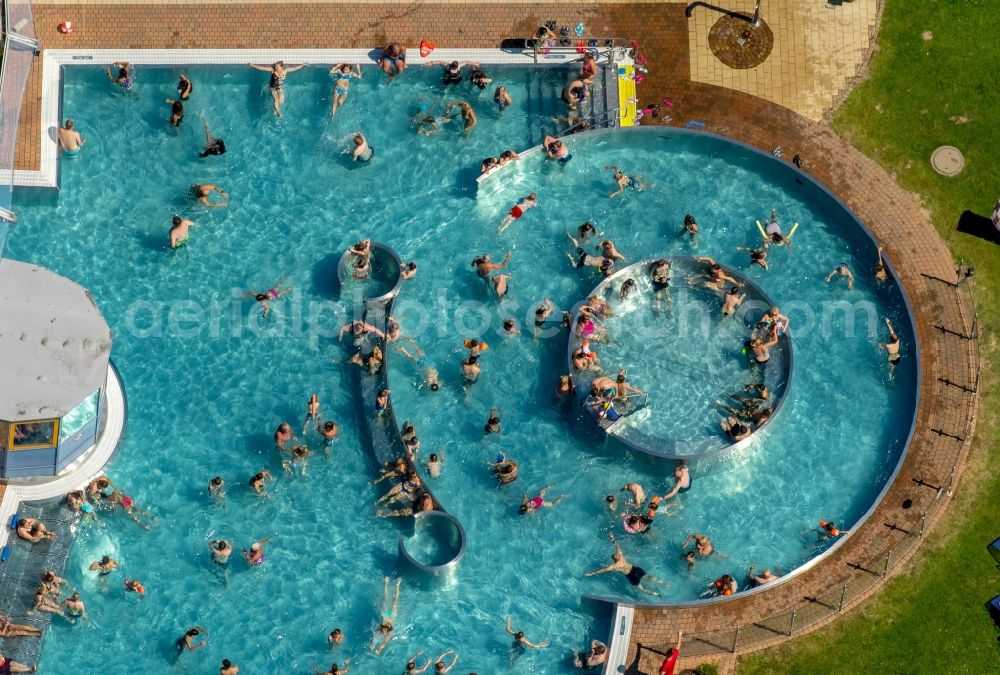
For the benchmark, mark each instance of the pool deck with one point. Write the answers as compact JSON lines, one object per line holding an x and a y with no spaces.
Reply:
{"x":677,"y":71}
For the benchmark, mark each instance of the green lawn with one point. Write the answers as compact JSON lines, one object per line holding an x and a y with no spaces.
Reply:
{"x":923,"y":93}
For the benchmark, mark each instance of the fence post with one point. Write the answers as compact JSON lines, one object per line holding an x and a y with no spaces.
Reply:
{"x":736,"y":639}
{"x":843,"y":594}
{"x":791,"y":623}
{"x":886,"y":569}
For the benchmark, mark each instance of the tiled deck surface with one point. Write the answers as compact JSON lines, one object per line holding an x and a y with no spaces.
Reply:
{"x":891,"y":214}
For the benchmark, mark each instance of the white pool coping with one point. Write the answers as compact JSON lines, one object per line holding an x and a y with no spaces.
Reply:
{"x":74,"y":477}
{"x":53,"y":61}
{"x":621,"y":638}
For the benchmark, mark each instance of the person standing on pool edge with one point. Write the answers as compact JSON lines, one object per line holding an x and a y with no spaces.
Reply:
{"x":277,"y":83}
{"x":670,"y":662}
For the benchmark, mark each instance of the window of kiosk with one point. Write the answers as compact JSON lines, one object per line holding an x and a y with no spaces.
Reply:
{"x":78,"y":417}
{"x":33,"y":435}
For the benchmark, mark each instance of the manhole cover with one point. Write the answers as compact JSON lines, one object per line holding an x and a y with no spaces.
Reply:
{"x":947,"y":160}
{"x":738,"y":44}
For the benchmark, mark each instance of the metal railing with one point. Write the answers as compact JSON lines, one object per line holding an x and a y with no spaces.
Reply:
{"x":600,"y":47}
{"x":19,"y":49}
{"x":903,"y":533}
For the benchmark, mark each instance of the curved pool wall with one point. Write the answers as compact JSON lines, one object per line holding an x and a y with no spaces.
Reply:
{"x":778,"y":374}
{"x":383,"y":430}
{"x":441,"y":540}
{"x":800,"y":178}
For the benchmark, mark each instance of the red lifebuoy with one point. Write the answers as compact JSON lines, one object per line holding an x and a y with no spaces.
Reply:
{"x":581,"y":47}
{"x":426,"y":47}
{"x":66,"y":27}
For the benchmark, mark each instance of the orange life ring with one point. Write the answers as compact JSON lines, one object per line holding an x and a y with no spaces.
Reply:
{"x":66,"y":27}
{"x":581,"y":47}
{"x":426,"y":47}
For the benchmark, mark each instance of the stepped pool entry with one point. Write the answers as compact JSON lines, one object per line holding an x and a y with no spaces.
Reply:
{"x":205,"y":396}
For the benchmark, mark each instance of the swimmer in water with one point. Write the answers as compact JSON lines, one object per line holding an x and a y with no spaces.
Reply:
{"x":75,"y":607}
{"x":187,"y":641}
{"x":255,"y":556}
{"x":342,"y":74}
{"x":842,"y":271}
{"x":637,"y":493}
{"x":625,"y":182}
{"x":388,"y":617}
{"x":597,"y":655}
{"x":493,"y":423}
{"x":702,"y":545}
{"x":502,"y":98}
{"x":433,"y":464}
{"x":213,"y":146}
{"x":758,"y":256}
{"x":500,"y":286}
{"x":179,"y":231}
{"x":565,"y":387}
{"x":633,"y":573}
{"x":184,"y":87}
{"x":732,"y":300}
{"x":714,"y":276}
{"x":522,"y":205}
{"x":521,"y":641}
{"x":70,"y":139}
{"x":202,"y":192}
{"x":765,"y":577}
{"x":362,"y":151}
{"x":892,"y":346}
{"x":282,"y":435}
{"x":584,"y":232}
{"x":772,"y":233}
{"x":176,"y":112}
{"x":413,"y":668}
{"x":106,"y":565}
{"x":432,"y":379}
{"x":537,"y":502}
{"x":555,"y":149}
{"x":690,"y":226}
{"x":258,"y":481}
{"x":278,"y":73}
{"x":627,"y":287}
{"x":724,"y":585}
{"x":881,"y":273}
{"x":440,"y":666}
{"x":735,"y":429}
{"x":298,"y":460}
{"x":263,"y":298}
{"x":126,"y":75}
{"x":659,"y":276}
{"x":469,"y":119}
{"x":484,"y":266}
{"x":471,"y":368}
{"x":682,"y":480}
{"x":221,"y":550}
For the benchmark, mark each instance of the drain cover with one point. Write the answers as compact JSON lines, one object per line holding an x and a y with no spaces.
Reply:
{"x":947,"y":160}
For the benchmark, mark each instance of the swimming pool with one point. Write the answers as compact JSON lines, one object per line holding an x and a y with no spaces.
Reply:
{"x":208,"y":381}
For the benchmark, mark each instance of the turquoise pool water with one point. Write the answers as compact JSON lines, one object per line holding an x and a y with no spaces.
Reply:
{"x":208,"y":381}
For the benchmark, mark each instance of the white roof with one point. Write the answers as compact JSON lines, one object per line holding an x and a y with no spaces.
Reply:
{"x":54,"y":343}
